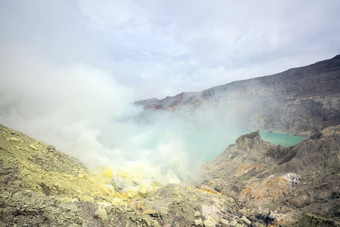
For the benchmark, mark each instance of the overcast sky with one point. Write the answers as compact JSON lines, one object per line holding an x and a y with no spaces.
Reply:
{"x":159,"y":48}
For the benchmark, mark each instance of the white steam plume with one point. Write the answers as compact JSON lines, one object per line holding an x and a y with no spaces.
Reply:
{"x":82,"y":111}
{"x":85,"y":113}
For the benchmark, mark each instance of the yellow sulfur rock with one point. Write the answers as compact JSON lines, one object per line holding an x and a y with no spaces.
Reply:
{"x":13,"y":139}
{"x":132,"y":193}
{"x":106,"y":173}
{"x":118,"y":202}
{"x":142,"y":189}
{"x":33,"y":147}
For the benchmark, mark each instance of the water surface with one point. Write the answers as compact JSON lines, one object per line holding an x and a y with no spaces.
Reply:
{"x":281,"y":139}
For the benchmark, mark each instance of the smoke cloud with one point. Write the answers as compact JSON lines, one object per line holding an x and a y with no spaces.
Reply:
{"x":85,"y":113}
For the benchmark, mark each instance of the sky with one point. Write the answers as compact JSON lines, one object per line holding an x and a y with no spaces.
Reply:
{"x":159,"y":48}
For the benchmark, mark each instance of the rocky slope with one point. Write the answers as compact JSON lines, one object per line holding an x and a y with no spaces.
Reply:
{"x":40,"y":186}
{"x":299,"y":101}
{"x":252,"y":183}
{"x":297,"y":184}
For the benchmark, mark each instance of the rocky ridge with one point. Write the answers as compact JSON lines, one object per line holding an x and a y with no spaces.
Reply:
{"x":297,"y":185}
{"x":298,"y":101}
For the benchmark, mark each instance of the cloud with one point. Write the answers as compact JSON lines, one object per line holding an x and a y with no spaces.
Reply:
{"x":161,"y":48}
{"x":185,"y":43}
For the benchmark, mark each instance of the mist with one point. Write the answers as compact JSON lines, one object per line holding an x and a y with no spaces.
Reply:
{"x":84,"y":112}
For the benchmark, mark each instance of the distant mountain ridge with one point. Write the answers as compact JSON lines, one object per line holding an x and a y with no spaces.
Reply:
{"x":299,"y":100}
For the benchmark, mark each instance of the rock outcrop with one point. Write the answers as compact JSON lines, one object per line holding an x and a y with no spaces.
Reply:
{"x":298,"y":101}
{"x":284,"y":185}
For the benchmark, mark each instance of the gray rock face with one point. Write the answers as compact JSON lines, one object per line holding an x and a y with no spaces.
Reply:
{"x":298,"y":101}
{"x":178,"y":205}
{"x":282,"y":183}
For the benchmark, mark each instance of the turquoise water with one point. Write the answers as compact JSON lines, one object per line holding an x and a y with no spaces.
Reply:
{"x":199,"y":143}
{"x":216,"y":143}
{"x":281,"y":139}
{"x":209,"y":144}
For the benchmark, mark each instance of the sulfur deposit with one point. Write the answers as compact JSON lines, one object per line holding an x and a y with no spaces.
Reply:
{"x":41,"y":185}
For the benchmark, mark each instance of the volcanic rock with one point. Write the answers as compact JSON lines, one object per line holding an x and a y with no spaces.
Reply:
{"x":284,"y":182}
